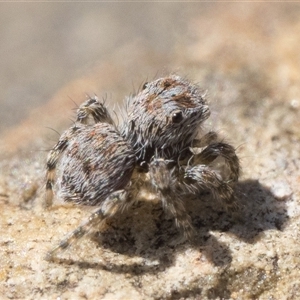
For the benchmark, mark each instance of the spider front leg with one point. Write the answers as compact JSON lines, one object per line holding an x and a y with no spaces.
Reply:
{"x":164,"y":180}
{"x":202,"y":177}
{"x":220,"y":149}
{"x":205,"y":140}
{"x":116,"y":202}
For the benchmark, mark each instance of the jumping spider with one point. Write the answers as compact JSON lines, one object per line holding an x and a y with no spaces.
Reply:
{"x":155,"y":150}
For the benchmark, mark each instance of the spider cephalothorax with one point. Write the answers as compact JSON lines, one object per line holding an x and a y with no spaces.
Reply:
{"x":157,"y":149}
{"x":165,"y":117}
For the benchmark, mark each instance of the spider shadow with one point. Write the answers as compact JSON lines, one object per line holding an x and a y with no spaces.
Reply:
{"x":142,"y":231}
{"x":147,"y":232}
{"x":259,"y":210}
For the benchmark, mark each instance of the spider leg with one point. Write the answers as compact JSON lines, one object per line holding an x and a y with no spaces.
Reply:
{"x":220,"y":149}
{"x":116,"y":202}
{"x":205,"y":140}
{"x":95,"y":109}
{"x":201,"y":177}
{"x":165,"y":182}
{"x":52,"y":160}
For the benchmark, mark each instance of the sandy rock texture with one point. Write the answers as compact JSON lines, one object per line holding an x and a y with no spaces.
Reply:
{"x":246,"y":55}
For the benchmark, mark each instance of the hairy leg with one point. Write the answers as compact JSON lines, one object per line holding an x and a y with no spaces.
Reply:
{"x":202,"y":177}
{"x":52,"y":160}
{"x":164,"y":180}
{"x":220,"y":149}
{"x":95,"y":109}
{"x":205,"y":140}
{"x":116,"y":202}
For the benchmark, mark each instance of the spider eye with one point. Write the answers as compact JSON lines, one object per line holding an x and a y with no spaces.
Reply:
{"x":177,"y":116}
{"x":144,"y":85}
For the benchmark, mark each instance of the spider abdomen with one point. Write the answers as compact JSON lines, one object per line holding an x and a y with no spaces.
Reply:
{"x":97,"y":162}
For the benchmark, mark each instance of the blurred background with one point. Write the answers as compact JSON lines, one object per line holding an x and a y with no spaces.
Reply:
{"x":46,"y":45}
{"x":55,"y":53}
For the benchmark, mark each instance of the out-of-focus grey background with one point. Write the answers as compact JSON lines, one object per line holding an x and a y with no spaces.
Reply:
{"x":53,"y":53}
{"x":46,"y":45}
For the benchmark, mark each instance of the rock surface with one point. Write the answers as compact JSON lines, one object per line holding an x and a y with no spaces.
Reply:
{"x":247,"y":56}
